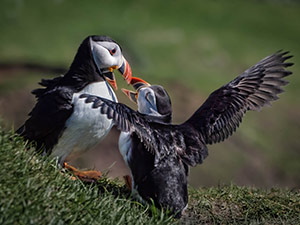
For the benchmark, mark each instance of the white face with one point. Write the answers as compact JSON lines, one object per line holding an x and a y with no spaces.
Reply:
{"x":106,"y":54}
{"x":147,"y":102}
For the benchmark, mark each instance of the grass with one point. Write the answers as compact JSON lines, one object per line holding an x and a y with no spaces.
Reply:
{"x":34,"y":191}
{"x":232,"y":204}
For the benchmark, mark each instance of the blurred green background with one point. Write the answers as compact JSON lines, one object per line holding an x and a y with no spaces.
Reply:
{"x":190,"y":47}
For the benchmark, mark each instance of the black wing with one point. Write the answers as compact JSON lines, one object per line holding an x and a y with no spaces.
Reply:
{"x":47,"y":119}
{"x":160,"y":139}
{"x":125,"y":118}
{"x":222,"y":112}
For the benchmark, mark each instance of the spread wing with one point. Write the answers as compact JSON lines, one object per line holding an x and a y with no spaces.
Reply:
{"x":47,"y":119}
{"x":160,"y":139}
{"x":222,"y":112}
{"x":214,"y":121}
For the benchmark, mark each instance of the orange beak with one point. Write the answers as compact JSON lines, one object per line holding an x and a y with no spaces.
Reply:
{"x":137,"y":84}
{"x":113,"y":83}
{"x":130,"y":94}
{"x":110,"y":77}
{"x":125,"y":70}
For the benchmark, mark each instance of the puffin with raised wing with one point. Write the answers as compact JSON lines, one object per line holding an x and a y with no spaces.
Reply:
{"x":60,"y":123}
{"x":159,"y":153}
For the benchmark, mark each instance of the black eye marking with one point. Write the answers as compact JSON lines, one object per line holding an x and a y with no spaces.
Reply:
{"x":147,"y":96}
{"x":113,"y":51}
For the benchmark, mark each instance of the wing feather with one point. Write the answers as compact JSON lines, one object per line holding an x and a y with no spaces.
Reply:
{"x":47,"y":119}
{"x":222,"y":112}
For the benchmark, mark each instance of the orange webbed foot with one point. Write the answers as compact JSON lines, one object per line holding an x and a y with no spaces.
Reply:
{"x":89,"y":176}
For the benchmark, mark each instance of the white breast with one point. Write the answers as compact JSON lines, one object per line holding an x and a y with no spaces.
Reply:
{"x":86,"y":126}
{"x":125,"y":146}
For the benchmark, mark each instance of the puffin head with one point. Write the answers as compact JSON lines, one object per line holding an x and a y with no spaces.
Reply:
{"x":99,"y":56}
{"x":152,"y":100}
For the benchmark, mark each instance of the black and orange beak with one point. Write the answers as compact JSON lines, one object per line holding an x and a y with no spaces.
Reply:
{"x":137,"y":84}
{"x":130,"y":94}
{"x":125,"y":70}
{"x":110,"y":77}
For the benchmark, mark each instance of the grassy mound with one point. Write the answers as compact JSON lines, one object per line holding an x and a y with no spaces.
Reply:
{"x":34,"y":191}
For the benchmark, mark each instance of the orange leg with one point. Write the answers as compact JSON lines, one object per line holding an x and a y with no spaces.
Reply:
{"x":128,"y":182}
{"x":91,"y":175}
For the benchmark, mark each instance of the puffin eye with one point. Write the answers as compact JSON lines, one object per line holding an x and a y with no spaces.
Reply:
{"x":113,"y":51}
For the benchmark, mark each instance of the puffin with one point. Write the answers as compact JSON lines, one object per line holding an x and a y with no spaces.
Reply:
{"x":60,"y":123}
{"x":159,"y":153}
{"x":166,"y":183}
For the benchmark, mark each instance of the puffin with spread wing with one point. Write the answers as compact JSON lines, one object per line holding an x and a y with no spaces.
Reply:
{"x":60,"y":123}
{"x":159,"y":153}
